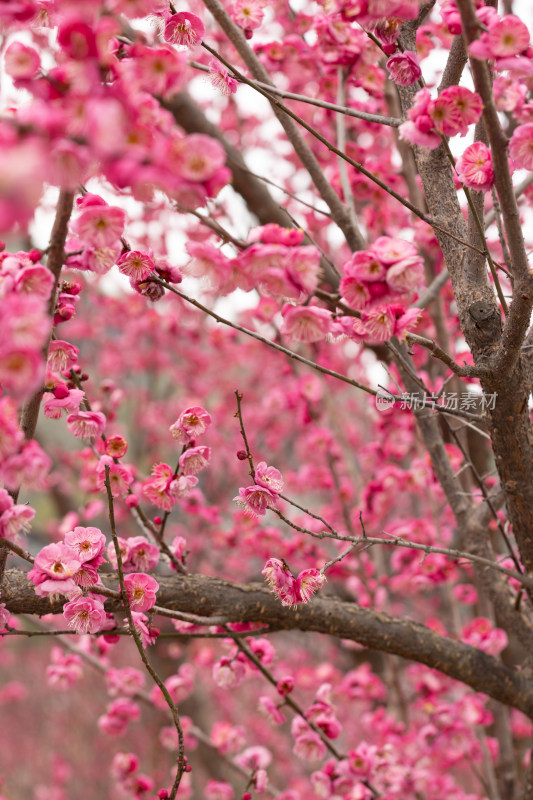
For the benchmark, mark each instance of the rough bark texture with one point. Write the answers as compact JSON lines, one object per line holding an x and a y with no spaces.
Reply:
{"x":209,"y":597}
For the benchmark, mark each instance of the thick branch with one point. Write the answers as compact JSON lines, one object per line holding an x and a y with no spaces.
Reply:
{"x":375,"y":630}
{"x":56,"y":255}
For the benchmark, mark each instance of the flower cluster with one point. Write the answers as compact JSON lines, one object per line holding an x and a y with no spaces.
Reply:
{"x":375,"y":281}
{"x":137,"y":554}
{"x":167,"y":486}
{"x":25,"y":287}
{"x":451,"y":113}
{"x":263,"y":493}
{"x":63,"y":567}
{"x":286,"y":587}
{"x":389,"y":269}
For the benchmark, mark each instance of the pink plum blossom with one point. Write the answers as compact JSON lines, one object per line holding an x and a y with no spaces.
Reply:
{"x":86,"y":424}
{"x":305,"y":323}
{"x":100,"y":225}
{"x":70,"y":401}
{"x":141,"y":590}
{"x":87,"y":543}
{"x":116,"y":446}
{"x":404,"y":68}
{"x":455,"y":110}
{"x":256,"y":499}
{"x":84,"y":614}
{"x":221,"y":79}
{"x":229,"y":672}
{"x":269,"y":477}
{"x":184,"y":29}
{"x":142,"y":554}
{"x":126,"y":681}
{"x":147,"y":633}
{"x":21,"y":61}
{"x":191,"y":423}
{"x":521,"y":146}
{"x":474,"y":167}
{"x":194,"y":459}
{"x":136,"y":265}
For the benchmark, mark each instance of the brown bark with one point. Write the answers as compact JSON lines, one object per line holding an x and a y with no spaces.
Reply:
{"x":214,"y":597}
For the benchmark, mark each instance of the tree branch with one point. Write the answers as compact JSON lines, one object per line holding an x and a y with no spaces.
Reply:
{"x":372,"y":629}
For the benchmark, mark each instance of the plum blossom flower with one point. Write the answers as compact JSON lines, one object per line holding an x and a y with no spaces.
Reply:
{"x":248,"y":14}
{"x":57,"y":561}
{"x":404,"y":68}
{"x":116,"y":446}
{"x":269,"y":708}
{"x":184,"y":29}
{"x":286,"y":587}
{"x":474,"y":167}
{"x":136,"y":265}
{"x":364,"y":265}
{"x":281,"y":581}
{"x":198,"y":157}
{"x":256,"y":499}
{"x":305,"y":323}
{"x":4,"y":616}
{"x":120,"y":476}
{"x":269,"y":477}
{"x":194,"y":459}
{"x":34,"y":279}
{"x":506,"y":36}
{"x":406,"y":275}
{"x":180,"y":487}
{"x":218,"y":790}
{"x":308,"y":745}
{"x":119,"y":713}
{"x":13,"y":517}
{"x":64,"y":670}
{"x":61,"y":355}
{"x":419,"y":128}
{"x":21,"y":61}
{"x":84,"y":614}
{"x":390,"y":249}
{"x":521,"y":146}
{"x":86,"y":543}
{"x":86,"y":424}
{"x":191,"y":423}
{"x":179,"y":687}
{"x":157,"y":487}
{"x":455,"y":110}
{"x":308,"y":582}
{"x":142,"y":554}
{"x":62,"y":399}
{"x":220,"y":78}
{"x":126,"y":681}
{"x":141,"y":590}
{"x":376,"y":325}
{"x":255,"y":757}
{"x":229,"y":672}
{"x":144,"y":629}
{"x":100,"y":225}
{"x":227,"y":738}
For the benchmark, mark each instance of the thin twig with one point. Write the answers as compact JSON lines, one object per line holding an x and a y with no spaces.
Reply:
{"x":155,"y":677}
